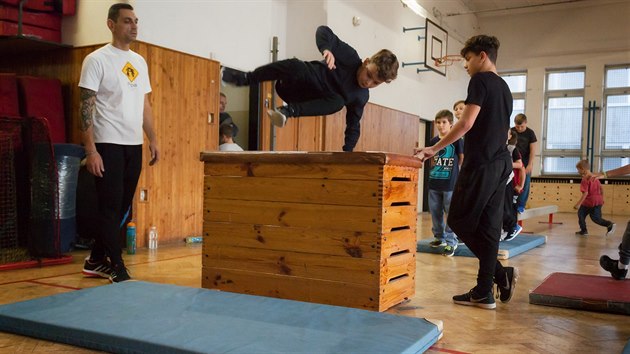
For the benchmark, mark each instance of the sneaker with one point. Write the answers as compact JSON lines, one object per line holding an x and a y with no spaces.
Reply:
{"x":505,"y":292}
{"x":234,"y":77}
{"x":611,"y":266}
{"x":97,"y":269}
{"x":119,"y":274}
{"x":503,"y":235}
{"x":437,"y":243}
{"x":611,"y":229}
{"x":520,"y":210}
{"x":449,"y":251}
{"x":472,"y":299}
{"x":517,"y":230}
{"x":278,"y":116}
{"x":582,"y":233}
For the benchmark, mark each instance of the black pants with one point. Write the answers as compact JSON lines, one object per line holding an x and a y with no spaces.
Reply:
{"x":509,"y":208}
{"x":115,"y":190}
{"x":476,"y":216}
{"x":624,"y":246}
{"x":302,"y":85}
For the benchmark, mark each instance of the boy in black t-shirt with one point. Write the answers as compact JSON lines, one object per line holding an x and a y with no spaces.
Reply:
{"x":527,"y":146}
{"x":314,"y":88}
{"x":477,"y":206}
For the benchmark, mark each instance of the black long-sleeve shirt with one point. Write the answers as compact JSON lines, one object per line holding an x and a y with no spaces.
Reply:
{"x":343,"y":79}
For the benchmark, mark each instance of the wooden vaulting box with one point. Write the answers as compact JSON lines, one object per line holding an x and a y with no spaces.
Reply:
{"x":329,"y":227}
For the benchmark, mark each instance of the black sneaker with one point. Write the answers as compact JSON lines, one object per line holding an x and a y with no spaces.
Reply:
{"x":611,"y":229}
{"x":437,"y":243}
{"x":119,"y":274}
{"x":505,"y":292}
{"x":610,"y":265}
{"x":97,"y":269}
{"x":582,"y":233}
{"x":472,"y":299}
{"x":517,"y":230}
{"x":449,"y":251}
{"x":234,"y":77}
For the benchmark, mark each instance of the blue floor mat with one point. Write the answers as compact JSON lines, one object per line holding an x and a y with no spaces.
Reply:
{"x":520,"y":244}
{"x":140,"y":317}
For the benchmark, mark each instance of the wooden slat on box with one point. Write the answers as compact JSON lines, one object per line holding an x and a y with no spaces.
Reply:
{"x":308,"y":240}
{"x":336,"y":217}
{"x":285,"y":170}
{"x":305,"y":265}
{"x":299,"y":190}
{"x":291,"y":287}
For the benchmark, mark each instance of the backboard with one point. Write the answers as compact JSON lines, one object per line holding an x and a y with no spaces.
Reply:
{"x":435,"y":46}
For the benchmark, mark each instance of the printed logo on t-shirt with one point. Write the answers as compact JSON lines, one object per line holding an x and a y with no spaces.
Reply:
{"x":444,"y":162}
{"x":130,"y":72}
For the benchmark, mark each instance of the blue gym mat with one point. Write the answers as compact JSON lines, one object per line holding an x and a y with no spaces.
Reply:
{"x":507,"y":250}
{"x":141,"y":317}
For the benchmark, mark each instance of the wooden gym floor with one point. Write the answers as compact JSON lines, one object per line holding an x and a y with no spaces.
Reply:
{"x":517,"y":327}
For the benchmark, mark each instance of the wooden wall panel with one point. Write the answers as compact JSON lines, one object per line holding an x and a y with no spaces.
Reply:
{"x":185,"y":92}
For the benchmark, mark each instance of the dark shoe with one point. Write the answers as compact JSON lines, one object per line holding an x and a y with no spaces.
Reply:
{"x":97,"y":269}
{"x":234,"y":77}
{"x":517,"y":230}
{"x":611,"y":229}
{"x":506,"y":290}
{"x":610,"y":265}
{"x":449,"y":251}
{"x":437,"y":243}
{"x":472,"y":299}
{"x":582,"y":233}
{"x":119,"y":274}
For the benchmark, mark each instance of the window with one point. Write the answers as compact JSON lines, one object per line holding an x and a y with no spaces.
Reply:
{"x":564,"y":116}
{"x":518,"y":86}
{"x":616,"y":118}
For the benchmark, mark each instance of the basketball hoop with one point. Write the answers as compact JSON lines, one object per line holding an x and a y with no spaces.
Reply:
{"x":448,"y":60}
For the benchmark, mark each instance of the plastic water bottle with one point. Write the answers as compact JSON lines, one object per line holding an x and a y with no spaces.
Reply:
{"x":194,"y":239}
{"x":131,"y":238}
{"x":153,"y":238}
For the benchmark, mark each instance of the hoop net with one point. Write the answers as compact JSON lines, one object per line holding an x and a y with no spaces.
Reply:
{"x":448,"y":60}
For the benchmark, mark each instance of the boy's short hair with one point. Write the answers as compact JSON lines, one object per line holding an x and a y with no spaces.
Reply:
{"x":445,"y":113}
{"x":514,"y":137}
{"x":386,"y":65}
{"x":482,"y":43}
{"x":583,"y":164}
{"x":459,"y":102}
{"x":227,"y":130}
{"x":520,"y":119}
{"x":114,"y":11}
{"x":222,"y":94}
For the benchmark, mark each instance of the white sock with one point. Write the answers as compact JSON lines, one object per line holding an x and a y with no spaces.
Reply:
{"x":621,"y":265}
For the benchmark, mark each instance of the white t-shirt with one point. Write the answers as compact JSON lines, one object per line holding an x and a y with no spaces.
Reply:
{"x":230,"y":147}
{"x":121,"y":80}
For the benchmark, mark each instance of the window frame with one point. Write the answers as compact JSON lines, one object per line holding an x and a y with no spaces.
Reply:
{"x":616,"y":91}
{"x":517,"y":95}
{"x":563,"y":93}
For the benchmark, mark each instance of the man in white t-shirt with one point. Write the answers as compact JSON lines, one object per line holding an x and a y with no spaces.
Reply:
{"x":115,"y":109}
{"x":226,"y":133}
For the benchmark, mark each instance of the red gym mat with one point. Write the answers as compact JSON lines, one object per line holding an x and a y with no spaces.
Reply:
{"x":41,"y":97}
{"x":583,"y":292}
{"x":9,"y":95}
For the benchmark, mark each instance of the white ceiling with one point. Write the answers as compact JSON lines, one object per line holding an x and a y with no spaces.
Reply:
{"x":480,"y":7}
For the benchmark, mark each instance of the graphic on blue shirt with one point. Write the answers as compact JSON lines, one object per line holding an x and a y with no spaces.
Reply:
{"x":443,"y":163}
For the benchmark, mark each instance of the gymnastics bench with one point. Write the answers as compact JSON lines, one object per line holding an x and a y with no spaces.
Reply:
{"x":534,"y":212}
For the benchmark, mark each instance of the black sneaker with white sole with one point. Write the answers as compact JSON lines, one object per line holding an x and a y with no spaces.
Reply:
{"x":437,"y":243}
{"x":507,"y":286}
{"x":611,"y":265}
{"x":472,"y":299}
{"x":611,"y":229}
{"x":119,"y":274}
{"x":234,"y":77}
{"x":100,"y":269}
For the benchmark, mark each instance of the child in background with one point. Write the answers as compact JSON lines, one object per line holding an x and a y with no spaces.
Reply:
{"x":458,"y":108}
{"x":591,"y":201}
{"x":511,"y":228}
{"x":444,"y":169}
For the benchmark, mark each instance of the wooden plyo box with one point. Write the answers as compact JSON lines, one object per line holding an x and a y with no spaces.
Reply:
{"x":330,"y":227}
